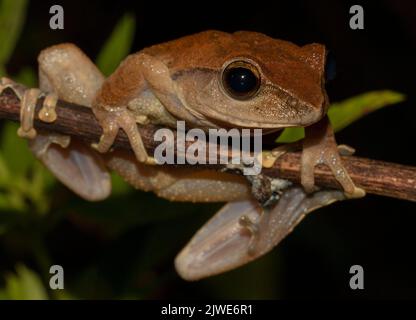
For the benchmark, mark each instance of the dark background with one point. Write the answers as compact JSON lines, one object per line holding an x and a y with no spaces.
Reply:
{"x":313,"y":262}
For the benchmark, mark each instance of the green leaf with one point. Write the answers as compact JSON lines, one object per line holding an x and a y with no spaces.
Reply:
{"x":26,"y":76}
{"x":4,"y":171}
{"x":118,"y":45}
{"x":291,"y":135}
{"x":12,"y":17}
{"x":346,"y":112}
{"x":15,"y":151}
{"x":22,"y":177}
{"x":341,"y":114}
{"x":38,"y":187}
{"x":12,"y":200}
{"x":119,"y":186}
{"x":24,"y":285}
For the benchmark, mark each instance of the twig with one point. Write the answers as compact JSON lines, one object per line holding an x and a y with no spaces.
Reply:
{"x":376,"y":177}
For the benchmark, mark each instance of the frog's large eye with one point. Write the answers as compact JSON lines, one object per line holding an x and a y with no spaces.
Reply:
{"x":241,"y":80}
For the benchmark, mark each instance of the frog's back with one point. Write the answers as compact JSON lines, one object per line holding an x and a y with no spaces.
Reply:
{"x":210,"y":49}
{"x":204,"y":49}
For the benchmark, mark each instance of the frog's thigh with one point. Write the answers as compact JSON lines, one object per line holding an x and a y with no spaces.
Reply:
{"x":179,"y":184}
{"x":205,"y":186}
{"x":67,"y":72}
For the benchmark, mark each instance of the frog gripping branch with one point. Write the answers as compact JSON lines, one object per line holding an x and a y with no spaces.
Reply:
{"x":235,"y":81}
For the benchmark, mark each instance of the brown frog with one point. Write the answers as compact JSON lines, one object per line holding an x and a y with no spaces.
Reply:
{"x":211,"y":80}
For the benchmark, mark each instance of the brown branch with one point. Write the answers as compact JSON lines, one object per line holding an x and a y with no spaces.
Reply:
{"x":376,"y":177}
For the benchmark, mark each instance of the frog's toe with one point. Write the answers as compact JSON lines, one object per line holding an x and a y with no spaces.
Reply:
{"x":27,"y":113}
{"x":307,"y":172}
{"x":329,"y":156}
{"x":111,"y":122}
{"x":150,"y":161}
{"x":28,"y":99}
{"x":48,"y":113}
{"x":357,"y":193}
{"x":268,"y":158}
{"x":345,"y":150}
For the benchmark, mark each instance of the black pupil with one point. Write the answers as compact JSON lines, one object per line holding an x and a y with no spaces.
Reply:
{"x":241,"y":81}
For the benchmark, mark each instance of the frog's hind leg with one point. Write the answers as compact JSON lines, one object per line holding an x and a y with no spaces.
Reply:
{"x":68,"y":74}
{"x":243,"y":231}
{"x":178,"y":184}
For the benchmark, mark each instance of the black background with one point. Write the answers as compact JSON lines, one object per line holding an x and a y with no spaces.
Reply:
{"x":375,"y":232}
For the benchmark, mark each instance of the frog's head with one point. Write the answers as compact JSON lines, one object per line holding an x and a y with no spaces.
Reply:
{"x":256,"y":81}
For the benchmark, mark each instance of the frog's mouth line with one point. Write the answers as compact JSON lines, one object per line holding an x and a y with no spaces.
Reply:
{"x":222,"y":120}
{"x":225,"y":121}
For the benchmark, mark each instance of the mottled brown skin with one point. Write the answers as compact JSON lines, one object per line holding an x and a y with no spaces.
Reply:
{"x":183,"y":80}
{"x":291,"y":93}
{"x":293,"y":74}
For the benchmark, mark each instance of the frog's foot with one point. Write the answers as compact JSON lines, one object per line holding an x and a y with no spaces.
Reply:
{"x":48,"y":111}
{"x":27,"y":113}
{"x":111,"y":122}
{"x":331,"y":158}
{"x":270,"y":157}
{"x":28,"y":99}
{"x":63,"y":70}
{"x":328,"y":153}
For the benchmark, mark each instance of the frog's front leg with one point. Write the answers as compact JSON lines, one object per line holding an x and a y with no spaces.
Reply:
{"x":111,"y":107}
{"x":138,"y":74}
{"x":320,"y":147}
